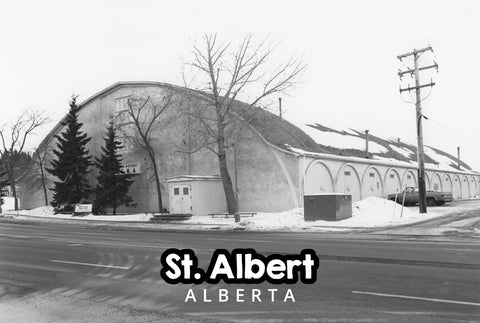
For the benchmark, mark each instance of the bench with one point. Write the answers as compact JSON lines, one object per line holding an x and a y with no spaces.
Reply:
{"x":168,"y":216}
{"x":226,"y":215}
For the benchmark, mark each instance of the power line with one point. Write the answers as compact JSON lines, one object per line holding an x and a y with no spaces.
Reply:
{"x":451,"y":131}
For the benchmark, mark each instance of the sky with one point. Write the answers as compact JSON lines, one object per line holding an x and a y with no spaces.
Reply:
{"x":52,"y":49}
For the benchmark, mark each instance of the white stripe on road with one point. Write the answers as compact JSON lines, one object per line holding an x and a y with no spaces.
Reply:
{"x":85,"y":264}
{"x":243,"y":240}
{"x":90,"y":233}
{"x":437,"y":300}
{"x":250,"y":313}
{"x":455,"y":249}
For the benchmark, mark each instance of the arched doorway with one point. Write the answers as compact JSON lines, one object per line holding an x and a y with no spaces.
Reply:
{"x":447,"y":184}
{"x":348,"y":182}
{"x":437,"y":183}
{"x":409,"y":179}
{"x":318,"y":179}
{"x":456,"y":188}
{"x":392,"y":181}
{"x":473,"y":187}
{"x":372,"y":183}
{"x":465,"y":188}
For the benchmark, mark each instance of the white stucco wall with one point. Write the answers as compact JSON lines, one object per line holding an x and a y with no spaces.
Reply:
{"x":363,"y":177}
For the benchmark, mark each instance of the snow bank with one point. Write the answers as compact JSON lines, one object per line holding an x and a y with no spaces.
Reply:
{"x":289,"y":220}
{"x":39,"y":211}
{"x":374,"y":211}
{"x":371,"y":212}
{"x":368,"y":213}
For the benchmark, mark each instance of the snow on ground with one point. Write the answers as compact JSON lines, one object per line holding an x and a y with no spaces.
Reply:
{"x":39,"y":211}
{"x":372,"y":212}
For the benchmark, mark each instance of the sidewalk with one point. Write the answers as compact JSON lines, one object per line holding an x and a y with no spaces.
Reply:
{"x":372,"y":215}
{"x":119,"y":225}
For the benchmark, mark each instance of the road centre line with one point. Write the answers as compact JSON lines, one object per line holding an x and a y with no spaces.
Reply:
{"x":90,"y":233}
{"x":224,"y":313}
{"x":458,"y":249}
{"x":86,"y":264}
{"x":243,"y":240}
{"x":199,"y":250}
{"x":436,"y":300}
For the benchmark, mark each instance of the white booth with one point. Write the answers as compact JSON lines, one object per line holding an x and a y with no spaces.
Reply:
{"x":196,"y":195}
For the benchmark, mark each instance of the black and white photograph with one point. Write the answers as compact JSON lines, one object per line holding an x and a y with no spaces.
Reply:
{"x":252,"y":161}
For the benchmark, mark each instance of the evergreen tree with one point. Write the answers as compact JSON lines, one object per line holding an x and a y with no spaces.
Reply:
{"x":113,"y":184}
{"x":71,"y":163}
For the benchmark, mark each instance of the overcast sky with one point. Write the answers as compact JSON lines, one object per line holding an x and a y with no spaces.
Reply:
{"x":51,"y":49}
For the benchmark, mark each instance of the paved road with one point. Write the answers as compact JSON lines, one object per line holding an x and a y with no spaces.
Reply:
{"x":464,"y":221}
{"x":360,"y":279}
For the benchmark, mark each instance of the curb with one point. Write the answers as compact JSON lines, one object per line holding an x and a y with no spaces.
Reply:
{"x":368,"y":235}
{"x":148,"y":226}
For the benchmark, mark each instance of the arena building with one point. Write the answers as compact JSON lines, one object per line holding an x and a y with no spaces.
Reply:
{"x":276,"y":164}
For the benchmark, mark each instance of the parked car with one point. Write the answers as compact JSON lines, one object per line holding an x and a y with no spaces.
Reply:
{"x":412,"y":197}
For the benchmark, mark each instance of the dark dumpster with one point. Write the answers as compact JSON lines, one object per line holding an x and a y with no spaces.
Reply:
{"x":327,"y":206}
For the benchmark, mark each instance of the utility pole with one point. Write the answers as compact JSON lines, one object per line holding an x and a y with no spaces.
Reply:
{"x":280,"y":107}
{"x":418,"y":107}
{"x":366,"y":144}
{"x":458,"y":157}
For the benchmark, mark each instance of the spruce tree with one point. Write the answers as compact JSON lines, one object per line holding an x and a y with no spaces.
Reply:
{"x":71,"y":164}
{"x":113,"y":184}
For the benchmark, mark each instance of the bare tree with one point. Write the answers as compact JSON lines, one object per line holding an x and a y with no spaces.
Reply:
{"x":232,"y":73}
{"x":40,"y":158}
{"x":14,"y":137}
{"x":136,"y":123}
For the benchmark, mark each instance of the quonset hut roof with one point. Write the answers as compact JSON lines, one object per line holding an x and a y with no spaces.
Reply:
{"x":311,"y":139}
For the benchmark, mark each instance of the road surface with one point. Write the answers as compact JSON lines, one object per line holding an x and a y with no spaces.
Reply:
{"x":54,"y":273}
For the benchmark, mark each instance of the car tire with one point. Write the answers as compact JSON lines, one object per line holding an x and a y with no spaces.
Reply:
{"x":431,"y":201}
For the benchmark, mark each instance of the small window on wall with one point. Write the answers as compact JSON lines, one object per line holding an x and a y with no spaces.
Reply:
{"x":435,"y":187}
{"x":185,"y":191}
{"x":456,"y":179}
{"x":464,"y":180}
{"x":446,"y":179}
{"x":372,"y":174}
{"x":392,"y":176}
{"x":176,"y":191}
{"x":121,"y":108}
{"x":409,"y":176}
{"x":347,"y":173}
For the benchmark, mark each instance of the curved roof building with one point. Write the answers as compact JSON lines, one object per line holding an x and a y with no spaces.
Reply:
{"x":277,"y":162}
